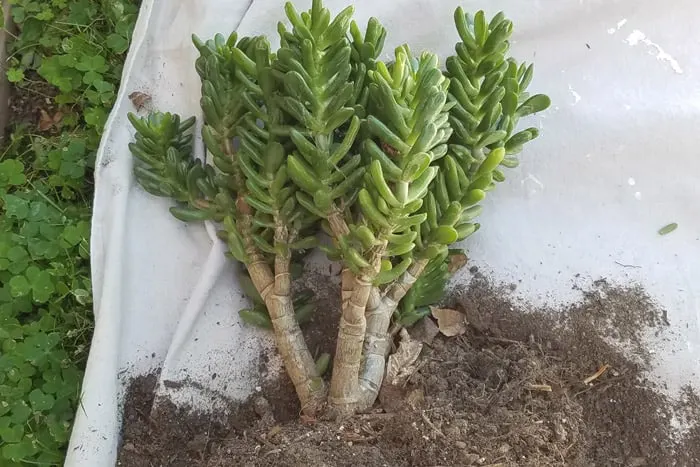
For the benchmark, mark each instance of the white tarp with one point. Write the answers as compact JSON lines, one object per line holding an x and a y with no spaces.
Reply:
{"x":617,"y":159}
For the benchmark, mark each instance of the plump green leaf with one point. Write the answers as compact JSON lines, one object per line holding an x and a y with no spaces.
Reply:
{"x":534,"y":104}
{"x":667,"y":229}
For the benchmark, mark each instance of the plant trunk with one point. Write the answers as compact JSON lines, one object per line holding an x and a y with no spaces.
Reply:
{"x":344,"y":390}
{"x":377,"y":339}
{"x":298,"y":362}
{"x":348,"y":352}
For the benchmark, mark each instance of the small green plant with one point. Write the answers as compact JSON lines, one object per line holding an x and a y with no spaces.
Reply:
{"x":390,"y":160}
{"x":65,"y":61}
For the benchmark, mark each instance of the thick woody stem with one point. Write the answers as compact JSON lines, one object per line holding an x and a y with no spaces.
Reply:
{"x":276,"y":292}
{"x":344,"y":390}
{"x":377,"y":340}
{"x":295,"y":353}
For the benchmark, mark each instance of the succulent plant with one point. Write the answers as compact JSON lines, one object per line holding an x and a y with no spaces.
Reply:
{"x":390,"y":160}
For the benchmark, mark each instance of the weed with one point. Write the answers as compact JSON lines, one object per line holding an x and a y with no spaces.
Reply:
{"x":77,"y":47}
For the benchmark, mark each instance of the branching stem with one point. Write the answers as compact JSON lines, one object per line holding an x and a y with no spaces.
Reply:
{"x":377,"y":339}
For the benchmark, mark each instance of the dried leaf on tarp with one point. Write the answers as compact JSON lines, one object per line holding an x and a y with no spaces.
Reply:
{"x":139,"y":99}
{"x":450,"y":322}
{"x":457,"y":262}
{"x":401,"y":364}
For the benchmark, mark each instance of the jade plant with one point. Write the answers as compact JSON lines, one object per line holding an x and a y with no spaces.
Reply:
{"x":322,"y":139}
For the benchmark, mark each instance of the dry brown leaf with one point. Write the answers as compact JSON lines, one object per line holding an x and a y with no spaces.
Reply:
{"x":401,"y":363}
{"x":46,"y":122}
{"x":424,"y":330}
{"x":139,"y":99}
{"x":457,"y":262}
{"x":450,"y":322}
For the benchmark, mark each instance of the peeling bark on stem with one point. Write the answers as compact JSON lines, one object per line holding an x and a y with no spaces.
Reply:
{"x":344,"y":390}
{"x":347,"y":282}
{"x":275,"y":291}
{"x":337,"y":222}
{"x":290,"y":340}
{"x":377,"y":340}
{"x":348,"y":353}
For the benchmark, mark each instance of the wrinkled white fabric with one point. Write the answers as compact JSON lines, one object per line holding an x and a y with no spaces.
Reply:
{"x":617,"y":159}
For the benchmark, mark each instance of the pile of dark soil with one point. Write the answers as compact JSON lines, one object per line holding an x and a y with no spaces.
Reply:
{"x":520,"y":387}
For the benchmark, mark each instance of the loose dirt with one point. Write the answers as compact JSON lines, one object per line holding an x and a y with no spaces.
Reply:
{"x":511,"y":391}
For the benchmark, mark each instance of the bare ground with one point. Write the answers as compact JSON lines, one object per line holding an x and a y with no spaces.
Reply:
{"x":510,"y":391}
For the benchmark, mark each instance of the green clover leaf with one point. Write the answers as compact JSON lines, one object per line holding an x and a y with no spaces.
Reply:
{"x":19,"y":414}
{"x":16,"y":207}
{"x":40,"y":401}
{"x":91,"y":77}
{"x":45,"y":15}
{"x":10,"y":432}
{"x":12,"y":173}
{"x":20,"y":451}
{"x":19,"y":286}
{"x":118,"y":43}
{"x":95,"y":116}
{"x":15,"y":75}
{"x":42,"y":287}
{"x":92,"y":63}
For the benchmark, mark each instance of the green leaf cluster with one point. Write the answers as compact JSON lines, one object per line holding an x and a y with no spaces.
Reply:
{"x":321,"y":132}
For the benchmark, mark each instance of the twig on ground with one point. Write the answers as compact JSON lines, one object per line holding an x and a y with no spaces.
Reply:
{"x":369,"y":416}
{"x":602,"y":387}
{"x":501,"y":340}
{"x":596,"y":375}
{"x":431,"y":425}
{"x":271,"y":452}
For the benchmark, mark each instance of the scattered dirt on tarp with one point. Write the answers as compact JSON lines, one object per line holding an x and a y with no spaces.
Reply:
{"x":519,"y":388}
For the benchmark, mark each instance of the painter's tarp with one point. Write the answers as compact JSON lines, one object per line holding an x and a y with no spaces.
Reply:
{"x":617,"y":159}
